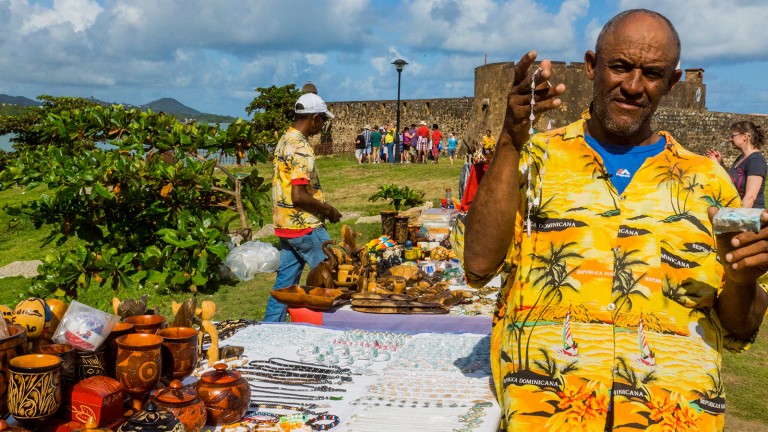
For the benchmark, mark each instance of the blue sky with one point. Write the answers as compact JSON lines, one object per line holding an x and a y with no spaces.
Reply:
{"x":212,"y":54}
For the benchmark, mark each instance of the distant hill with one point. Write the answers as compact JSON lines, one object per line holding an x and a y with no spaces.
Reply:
{"x":166,"y":105}
{"x":171,"y":106}
{"x":18,"y":100}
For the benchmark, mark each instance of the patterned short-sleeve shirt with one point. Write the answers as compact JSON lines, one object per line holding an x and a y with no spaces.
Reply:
{"x":608,"y":307}
{"x":294,"y":164}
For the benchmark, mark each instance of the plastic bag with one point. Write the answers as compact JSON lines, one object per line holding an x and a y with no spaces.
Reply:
{"x":84,"y":327}
{"x":252,"y":257}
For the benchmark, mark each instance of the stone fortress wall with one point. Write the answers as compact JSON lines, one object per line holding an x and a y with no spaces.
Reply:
{"x":683,"y":112}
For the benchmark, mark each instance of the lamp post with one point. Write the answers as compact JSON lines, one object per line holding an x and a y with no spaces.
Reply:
{"x":399,"y":65}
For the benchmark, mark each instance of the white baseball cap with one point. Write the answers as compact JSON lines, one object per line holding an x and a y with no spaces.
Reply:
{"x":311,"y":103}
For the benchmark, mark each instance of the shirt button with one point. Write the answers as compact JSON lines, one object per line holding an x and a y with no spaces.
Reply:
{"x":622,"y":198}
{"x":611,"y":306}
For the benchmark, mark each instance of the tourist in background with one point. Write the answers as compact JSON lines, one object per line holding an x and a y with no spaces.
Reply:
{"x":406,"y":140}
{"x":414,"y":139}
{"x":437,"y":143}
{"x":376,"y":144}
{"x":748,"y":170}
{"x":488,"y":141}
{"x":423,"y":142}
{"x":299,"y":208}
{"x":452,"y":143}
{"x":389,"y":140}
{"x":367,"y":134}
{"x":360,"y":146}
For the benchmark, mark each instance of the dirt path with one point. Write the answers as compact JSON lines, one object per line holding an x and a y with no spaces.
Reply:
{"x":20,"y":268}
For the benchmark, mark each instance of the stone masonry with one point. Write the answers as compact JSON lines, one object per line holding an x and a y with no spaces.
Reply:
{"x":683,"y":112}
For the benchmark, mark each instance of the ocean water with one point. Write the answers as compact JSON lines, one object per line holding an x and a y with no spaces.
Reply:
{"x":5,"y":142}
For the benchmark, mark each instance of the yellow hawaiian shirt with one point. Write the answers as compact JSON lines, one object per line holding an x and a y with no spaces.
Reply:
{"x":294,"y":163}
{"x":607,"y":309}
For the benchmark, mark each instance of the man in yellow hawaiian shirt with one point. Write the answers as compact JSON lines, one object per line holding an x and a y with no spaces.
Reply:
{"x":619,"y":298}
{"x":298,"y":204}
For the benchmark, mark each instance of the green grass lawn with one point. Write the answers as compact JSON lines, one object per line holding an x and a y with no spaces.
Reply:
{"x":347,"y":186}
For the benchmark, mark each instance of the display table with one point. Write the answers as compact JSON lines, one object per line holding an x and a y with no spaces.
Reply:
{"x":413,"y":382}
{"x":345,"y":318}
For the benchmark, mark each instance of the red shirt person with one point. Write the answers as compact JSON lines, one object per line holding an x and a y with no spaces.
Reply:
{"x":437,"y":137}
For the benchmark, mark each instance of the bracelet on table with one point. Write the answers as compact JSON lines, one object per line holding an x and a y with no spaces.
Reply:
{"x":294,"y":417}
{"x":262,"y":419}
{"x":333,"y":419}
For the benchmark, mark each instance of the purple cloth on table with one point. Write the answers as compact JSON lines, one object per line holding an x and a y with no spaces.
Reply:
{"x":349,"y":319}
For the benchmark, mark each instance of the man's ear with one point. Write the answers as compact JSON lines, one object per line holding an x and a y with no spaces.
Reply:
{"x":674,"y":79}
{"x":590,"y":64}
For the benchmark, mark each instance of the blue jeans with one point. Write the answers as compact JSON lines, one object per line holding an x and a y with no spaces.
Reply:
{"x":294,"y":253}
{"x":391,"y":152}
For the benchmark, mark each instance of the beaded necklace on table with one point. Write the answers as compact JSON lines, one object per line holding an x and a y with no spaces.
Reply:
{"x":449,"y":353}
{"x":353,"y":346}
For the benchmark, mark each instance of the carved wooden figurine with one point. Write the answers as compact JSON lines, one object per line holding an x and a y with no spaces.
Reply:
{"x":184,"y":313}
{"x":323,"y":275}
{"x":206,"y":311}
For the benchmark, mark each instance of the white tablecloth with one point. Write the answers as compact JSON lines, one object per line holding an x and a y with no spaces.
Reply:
{"x":455,"y":366}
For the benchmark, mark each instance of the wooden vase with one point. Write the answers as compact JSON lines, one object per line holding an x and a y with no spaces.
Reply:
{"x":67,"y":355}
{"x":179,"y":352}
{"x":90,"y":363}
{"x":146,"y":323}
{"x":110,"y":346}
{"x":388,"y":223}
{"x":226,"y":394}
{"x":34,"y":388}
{"x":10,"y":347}
{"x":138,"y":364}
{"x":401,"y":229}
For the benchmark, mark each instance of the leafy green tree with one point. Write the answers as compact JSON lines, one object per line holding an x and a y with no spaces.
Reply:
{"x":152,"y":212}
{"x":273,"y":111}
{"x":29,"y":137}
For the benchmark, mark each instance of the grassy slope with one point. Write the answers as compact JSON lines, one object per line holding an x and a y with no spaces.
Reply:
{"x":348,"y":186}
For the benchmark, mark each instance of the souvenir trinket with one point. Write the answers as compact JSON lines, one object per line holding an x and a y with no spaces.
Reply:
{"x":34,"y":388}
{"x":146,"y":323}
{"x":179,"y":352}
{"x":58,"y":309}
{"x":138,"y":364}
{"x":729,"y":220}
{"x":67,"y":355}
{"x":225,"y":393}
{"x":10,"y":347}
{"x":183,"y":403}
{"x":32,"y":314}
{"x":90,"y":363}
{"x":152,"y":420}
{"x":99,"y":398}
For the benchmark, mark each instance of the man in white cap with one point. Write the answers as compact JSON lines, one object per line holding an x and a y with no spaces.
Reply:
{"x":298,"y":205}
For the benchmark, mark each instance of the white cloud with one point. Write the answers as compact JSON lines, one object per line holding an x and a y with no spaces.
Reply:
{"x":714,"y":30}
{"x":80,"y":14}
{"x":316,"y":59}
{"x":219,"y":51}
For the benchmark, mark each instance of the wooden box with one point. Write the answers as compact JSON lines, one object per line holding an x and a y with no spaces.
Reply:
{"x":99,"y":397}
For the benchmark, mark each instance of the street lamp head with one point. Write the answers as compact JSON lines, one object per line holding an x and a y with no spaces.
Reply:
{"x":399,"y":64}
